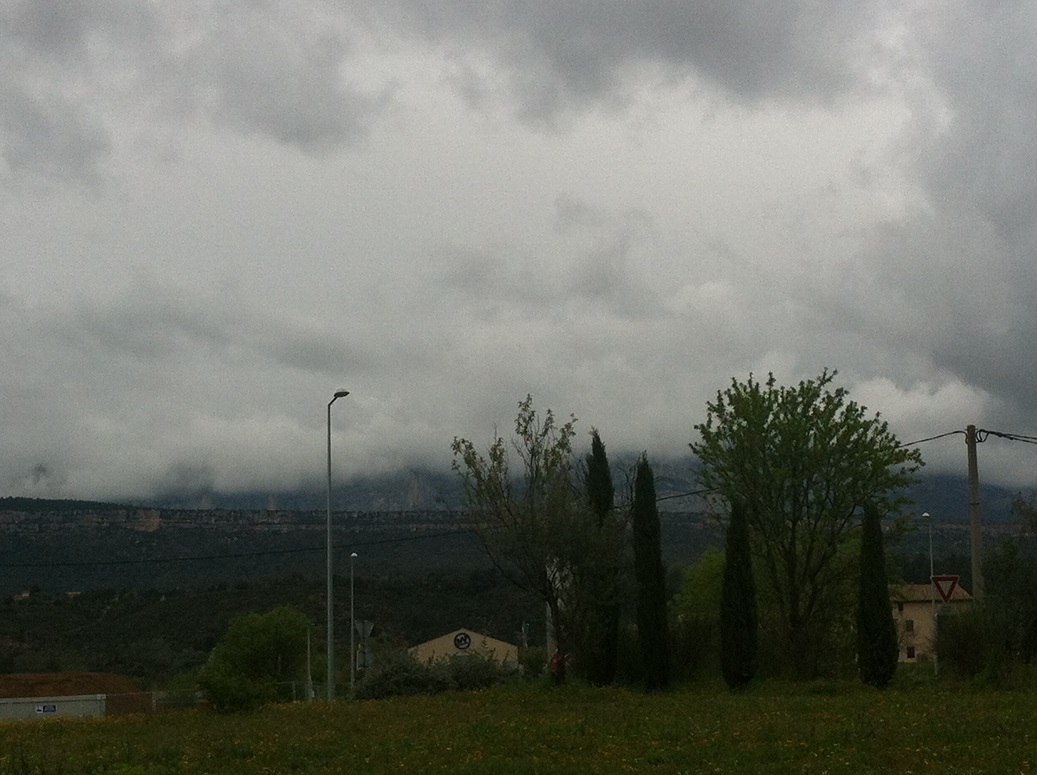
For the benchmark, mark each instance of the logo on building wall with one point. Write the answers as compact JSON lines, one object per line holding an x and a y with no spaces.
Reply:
{"x":462,"y":640}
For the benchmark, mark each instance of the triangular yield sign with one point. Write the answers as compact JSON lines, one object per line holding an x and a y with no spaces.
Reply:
{"x":945,"y":585}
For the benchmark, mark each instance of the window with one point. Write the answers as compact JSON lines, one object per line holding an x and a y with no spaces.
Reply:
{"x":910,"y":652}
{"x":900,"y":608}
{"x":909,"y":625}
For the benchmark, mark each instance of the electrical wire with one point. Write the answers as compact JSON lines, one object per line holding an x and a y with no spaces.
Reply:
{"x":685,"y":494}
{"x":981,"y":435}
{"x":930,"y":438}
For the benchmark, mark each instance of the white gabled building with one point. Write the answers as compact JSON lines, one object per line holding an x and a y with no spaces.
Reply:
{"x":460,"y":643}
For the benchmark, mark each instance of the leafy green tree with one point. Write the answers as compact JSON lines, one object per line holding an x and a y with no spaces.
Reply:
{"x":650,"y":576}
{"x":597,"y":653}
{"x":533,"y":527}
{"x":803,"y":460}
{"x":877,"y":647}
{"x":701,"y":583}
{"x":257,"y":652}
{"x":1010,"y":575}
{"x":738,"y":620}
{"x":695,"y":616}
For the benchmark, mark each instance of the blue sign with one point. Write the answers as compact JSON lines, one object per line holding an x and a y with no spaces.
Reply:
{"x":46,"y":708}
{"x":462,"y":640}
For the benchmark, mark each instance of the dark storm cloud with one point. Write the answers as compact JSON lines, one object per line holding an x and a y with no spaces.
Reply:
{"x":980,"y":175}
{"x":47,"y":137}
{"x":564,"y":52}
{"x":62,"y":31}
{"x":52,"y":66}
{"x":69,"y":67}
{"x":953,"y":281}
{"x":597,"y":272}
{"x":272,"y":69}
{"x":149,"y":325}
{"x":282,"y":70}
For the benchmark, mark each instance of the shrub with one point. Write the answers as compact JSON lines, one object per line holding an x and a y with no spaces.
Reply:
{"x":969,"y":644}
{"x":533,"y":661}
{"x":230,"y":691}
{"x":394,"y":673}
{"x":397,"y":673}
{"x":695,"y":646}
{"x":468,"y":673}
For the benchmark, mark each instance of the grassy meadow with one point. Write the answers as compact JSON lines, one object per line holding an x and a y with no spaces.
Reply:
{"x":771,"y":728}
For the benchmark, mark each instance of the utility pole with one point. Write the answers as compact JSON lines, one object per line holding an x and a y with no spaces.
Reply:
{"x":975,"y":523}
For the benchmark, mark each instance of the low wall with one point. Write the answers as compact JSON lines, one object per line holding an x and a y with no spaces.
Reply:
{"x":52,"y":707}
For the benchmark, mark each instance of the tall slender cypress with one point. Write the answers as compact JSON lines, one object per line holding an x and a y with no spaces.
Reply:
{"x":877,"y":648}
{"x":603,"y":572}
{"x":651,"y":580}
{"x":600,"y":491}
{"x":738,"y":617}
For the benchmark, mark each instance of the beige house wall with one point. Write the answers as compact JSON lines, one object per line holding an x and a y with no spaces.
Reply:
{"x":914,"y":611}
{"x":463,"y":642}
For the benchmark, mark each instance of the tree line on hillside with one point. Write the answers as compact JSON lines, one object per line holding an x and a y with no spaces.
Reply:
{"x":797,"y":469}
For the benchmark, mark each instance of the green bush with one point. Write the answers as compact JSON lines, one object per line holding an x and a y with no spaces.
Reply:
{"x":469,"y":673}
{"x":394,"y":673}
{"x":229,"y":690}
{"x":397,"y":673}
{"x":695,"y":646}
{"x":533,"y":661}
{"x":970,"y":644}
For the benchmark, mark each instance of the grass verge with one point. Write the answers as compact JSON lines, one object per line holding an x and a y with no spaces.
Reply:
{"x":772,"y":728}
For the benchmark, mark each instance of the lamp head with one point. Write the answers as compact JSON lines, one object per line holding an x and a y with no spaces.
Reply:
{"x":341,"y":393}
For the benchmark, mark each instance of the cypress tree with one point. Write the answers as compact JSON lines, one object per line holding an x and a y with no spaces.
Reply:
{"x":602,"y":630}
{"x":650,"y":579}
{"x":600,"y":491}
{"x":738,"y":619}
{"x":877,"y":648}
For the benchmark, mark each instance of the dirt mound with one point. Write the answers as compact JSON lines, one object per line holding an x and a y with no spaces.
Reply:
{"x":64,"y":684}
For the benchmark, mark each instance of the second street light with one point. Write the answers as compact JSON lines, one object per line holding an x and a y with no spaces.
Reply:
{"x":331,"y":619}
{"x":352,"y":630}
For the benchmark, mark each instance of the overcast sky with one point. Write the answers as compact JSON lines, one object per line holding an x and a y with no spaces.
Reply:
{"x":216,"y":213}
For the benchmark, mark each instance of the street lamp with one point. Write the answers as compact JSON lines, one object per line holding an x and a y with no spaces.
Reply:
{"x":352,"y":630}
{"x":331,"y":620}
{"x":932,"y":592}
{"x":926,"y":516}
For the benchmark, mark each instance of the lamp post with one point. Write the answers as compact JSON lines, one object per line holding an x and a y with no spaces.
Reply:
{"x":352,"y":630}
{"x":929,"y":519}
{"x":331,"y":620}
{"x":932,"y":592}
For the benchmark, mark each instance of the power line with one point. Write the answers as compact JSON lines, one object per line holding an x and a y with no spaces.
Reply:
{"x":930,"y":438}
{"x":685,"y":494}
{"x":982,"y":434}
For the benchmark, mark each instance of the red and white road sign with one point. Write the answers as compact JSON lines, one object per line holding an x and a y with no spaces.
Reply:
{"x":945,"y":585}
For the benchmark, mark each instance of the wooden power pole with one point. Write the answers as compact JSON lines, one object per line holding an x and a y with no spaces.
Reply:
{"x":975,"y":522}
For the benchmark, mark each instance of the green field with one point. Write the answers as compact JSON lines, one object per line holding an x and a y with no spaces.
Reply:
{"x":775,"y":727}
